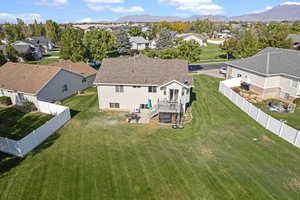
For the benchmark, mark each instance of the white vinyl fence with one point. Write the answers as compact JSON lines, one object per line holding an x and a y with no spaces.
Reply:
{"x":25,"y":145}
{"x":277,"y":127}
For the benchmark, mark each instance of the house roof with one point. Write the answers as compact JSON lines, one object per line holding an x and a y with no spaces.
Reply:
{"x":294,"y":37}
{"x":141,"y":70}
{"x":272,"y":61}
{"x":25,"y":77}
{"x":36,"y":41}
{"x":77,"y":67}
{"x":199,"y":36}
{"x":138,"y":40}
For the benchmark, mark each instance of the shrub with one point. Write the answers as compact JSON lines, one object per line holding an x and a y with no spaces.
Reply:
{"x":29,"y":106}
{"x":5,"y":101}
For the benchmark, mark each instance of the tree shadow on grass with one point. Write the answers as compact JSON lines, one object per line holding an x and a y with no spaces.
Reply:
{"x":74,"y":113}
{"x":8,"y":162}
{"x":193,"y":96}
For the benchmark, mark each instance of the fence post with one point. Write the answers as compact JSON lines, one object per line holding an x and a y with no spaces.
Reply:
{"x":268,"y":122}
{"x":297,"y":138}
{"x":281,"y":129}
{"x":258,"y":115}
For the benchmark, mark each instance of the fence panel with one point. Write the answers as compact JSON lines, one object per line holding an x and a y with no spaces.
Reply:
{"x":240,"y":102}
{"x":9,"y":146}
{"x":263,"y":118}
{"x":289,"y":133}
{"x":274,"y":125}
{"x":253,"y":111}
{"x":297,"y":143}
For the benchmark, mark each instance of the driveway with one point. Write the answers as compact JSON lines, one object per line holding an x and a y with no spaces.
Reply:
{"x":210,"y":69}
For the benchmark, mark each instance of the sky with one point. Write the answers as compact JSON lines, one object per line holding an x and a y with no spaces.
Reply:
{"x":64,"y":11}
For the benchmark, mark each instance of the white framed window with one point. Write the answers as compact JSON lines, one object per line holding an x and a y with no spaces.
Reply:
{"x":84,"y":80}
{"x":114,"y":105}
{"x":119,"y":88}
{"x":239,"y":75}
{"x":294,"y":83}
{"x":152,"y":89}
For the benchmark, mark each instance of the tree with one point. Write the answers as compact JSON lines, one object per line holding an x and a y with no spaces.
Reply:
{"x":52,"y":30}
{"x":2,"y":58}
{"x":135,"y":31}
{"x":165,"y":40}
{"x":13,"y":32}
{"x":152,"y":53}
{"x":71,"y":45}
{"x":204,"y":26}
{"x":249,"y":46}
{"x":295,"y":27}
{"x":99,"y":43}
{"x":38,"y":29}
{"x":168,"y":53}
{"x":12,"y":54}
{"x":179,"y":27}
{"x":190,"y":51}
{"x":231,"y":47}
{"x":122,"y":42}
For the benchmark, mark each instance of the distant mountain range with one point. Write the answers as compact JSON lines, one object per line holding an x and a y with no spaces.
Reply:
{"x":290,"y":12}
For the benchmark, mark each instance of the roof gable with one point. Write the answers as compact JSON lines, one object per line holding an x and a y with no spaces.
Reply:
{"x":78,"y":67}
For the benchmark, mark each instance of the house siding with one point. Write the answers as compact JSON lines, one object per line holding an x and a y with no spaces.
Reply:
{"x":16,"y":97}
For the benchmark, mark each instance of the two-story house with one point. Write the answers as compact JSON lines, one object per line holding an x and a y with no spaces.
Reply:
{"x":272,"y":73}
{"x":162,"y":87}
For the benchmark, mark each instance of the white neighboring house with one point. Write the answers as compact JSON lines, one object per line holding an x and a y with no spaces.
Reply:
{"x":138,"y":43}
{"x":161,"y":87}
{"x":153,"y":44}
{"x":44,"y":43}
{"x":23,"y":82}
{"x":272,"y":73}
{"x":199,"y":38}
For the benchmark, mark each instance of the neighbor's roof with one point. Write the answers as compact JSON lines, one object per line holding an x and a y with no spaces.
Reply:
{"x":272,"y":61}
{"x":294,"y":37}
{"x":77,"y":67}
{"x":197,"y":35}
{"x":138,"y":40}
{"x":25,"y":77}
{"x":143,"y":70}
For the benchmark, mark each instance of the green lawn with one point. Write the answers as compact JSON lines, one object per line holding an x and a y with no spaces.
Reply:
{"x":52,"y":53}
{"x":15,"y":124}
{"x":292,"y":119}
{"x":99,"y":156}
{"x":212,"y":53}
{"x":44,"y":61}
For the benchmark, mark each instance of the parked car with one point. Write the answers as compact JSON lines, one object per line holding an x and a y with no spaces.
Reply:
{"x":223,"y":70}
{"x":195,"y":67}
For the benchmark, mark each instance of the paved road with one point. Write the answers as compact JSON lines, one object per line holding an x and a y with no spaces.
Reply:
{"x":208,"y":66}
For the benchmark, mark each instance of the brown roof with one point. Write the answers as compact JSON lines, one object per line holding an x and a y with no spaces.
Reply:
{"x":24,"y":77}
{"x":78,"y":67}
{"x":143,"y":70}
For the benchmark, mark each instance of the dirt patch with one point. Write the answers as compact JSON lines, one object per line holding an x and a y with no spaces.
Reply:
{"x":266,"y":138}
{"x":294,"y":184}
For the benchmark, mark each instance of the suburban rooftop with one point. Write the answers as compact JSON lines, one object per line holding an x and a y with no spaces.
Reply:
{"x":271,"y":62}
{"x":77,"y":67}
{"x":138,"y":40}
{"x":143,"y":70}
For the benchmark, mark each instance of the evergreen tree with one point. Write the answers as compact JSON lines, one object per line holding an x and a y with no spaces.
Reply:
{"x":2,"y":59}
{"x":71,"y":45}
{"x":190,"y":51}
{"x":122,"y":42}
{"x":12,"y":54}
{"x":165,"y":40}
{"x":99,"y":43}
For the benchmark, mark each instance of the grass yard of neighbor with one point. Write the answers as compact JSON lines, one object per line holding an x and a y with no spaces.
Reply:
{"x":292,"y":119}
{"x":44,"y":61}
{"x":15,"y":124}
{"x":212,"y":53}
{"x":221,"y":154}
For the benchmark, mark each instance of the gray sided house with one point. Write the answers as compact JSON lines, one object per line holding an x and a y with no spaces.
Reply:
{"x":272,"y":73}
{"x":45,"y":44}
{"x":23,"y":82}
{"x":139,"y":43}
{"x":160,"y":87}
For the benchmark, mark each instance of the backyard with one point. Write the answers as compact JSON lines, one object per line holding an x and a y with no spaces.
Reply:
{"x":221,"y":154}
{"x":212,"y":53}
{"x":15,"y":124}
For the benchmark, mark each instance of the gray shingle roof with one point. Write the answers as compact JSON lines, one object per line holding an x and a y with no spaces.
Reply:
{"x":271,"y":62}
{"x":139,"y":40}
{"x":197,"y":35}
{"x":141,"y":70}
{"x":294,"y":37}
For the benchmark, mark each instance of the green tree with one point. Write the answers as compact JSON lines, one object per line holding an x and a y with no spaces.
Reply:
{"x":165,"y":39}
{"x":2,"y":58}
{"x":19,"y":28}
{"x":12,"y":54}
{"x":71,"y":45}
{"x":38,"y":29}
{"x":190,"y":51}
{"x":231,"y":47}
{"x":168,"y":53}
{"x":295,"y":28}
{"x":152,"y":53}
{"x":122,"y":42}
{"x":135,"y":31}
{"x":99,"y":43}
{"x":204,"y":26}
{"x":249,"y":46}
{"x":52,"y":30}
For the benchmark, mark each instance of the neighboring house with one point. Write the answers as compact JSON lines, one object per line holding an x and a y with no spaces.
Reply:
{"x":199,"y":38}
{"x":295,"y":39}
{"x":218,"y":41}
{"x":85,"y":70}
{"x":139,"y":43}
{"x":161,"y":87}
{"x":153,"y":44}
{"x":43,"y":43}
{"x":272,"y":73}
{"x":23,"y":82}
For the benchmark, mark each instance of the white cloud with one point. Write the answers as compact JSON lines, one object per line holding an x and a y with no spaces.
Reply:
{"x":133,"y":9}
{"x":291,"y":3}
{"x":55,"y":3}
{"x":27,"y":18}
{"x":204,"y":7}
{"x":265,"y":9}
{"x":101,"y":5}
{"x":104,"y":1}
{"x":90,"y":20}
